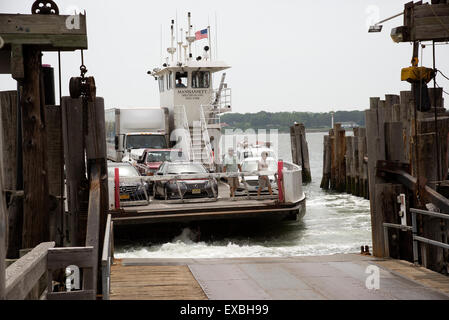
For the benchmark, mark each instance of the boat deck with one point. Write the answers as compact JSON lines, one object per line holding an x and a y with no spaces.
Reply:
{"x":205,"y":209}
{"x":341,"y":276}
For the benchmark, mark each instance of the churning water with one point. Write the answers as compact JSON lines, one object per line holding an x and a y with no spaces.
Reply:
{"x":334,"y":223}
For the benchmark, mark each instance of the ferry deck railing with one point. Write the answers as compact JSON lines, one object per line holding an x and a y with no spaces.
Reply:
{"x":206,"y":176}
{"x":414,"y":229}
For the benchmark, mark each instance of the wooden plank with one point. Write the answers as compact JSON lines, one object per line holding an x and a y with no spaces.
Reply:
{"x":326,"y":163}
{"x":32,"y":24}
{"x":17,"y":64}
{"x":306,"y":174}
{"x":60,"y":258}
{"x":373,"y":142}
{"x":341,"y":163}
{"x":97,"y":155}
{"x":96,"y":139}
{"x":76,"y":180}
{"x":72,"y":295}
{"x":23,"y":274}
{"x":93,"y":227}
{"x":48,"y":42}
{"x":154,"y":282}
{"x":3,"y":219}
{"x":55,"y":166}
{"x":35,"y":172}
{"x":8,"y":107}
{"x":394,"y":142}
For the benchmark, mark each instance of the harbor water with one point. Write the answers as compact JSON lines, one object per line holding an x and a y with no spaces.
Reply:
{"x":333,"y":223}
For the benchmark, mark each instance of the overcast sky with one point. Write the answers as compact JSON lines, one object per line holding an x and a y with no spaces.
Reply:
{"x":286,"y":55}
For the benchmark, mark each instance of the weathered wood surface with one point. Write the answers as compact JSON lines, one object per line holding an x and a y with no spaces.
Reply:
{"x":93,"y":228}
{"x":374,"y":149}
{"x":76,"y":179}
{"x":22,"y":275}
{"x":3,"y":218}
{"x":55,"y":166}
{"x":154,"y":282}
{"x":60,"y":258}
{"x":300,"y":150}
{"x":35,"y":171}
{"x":72,"y":295}
{"x":344,"y":164}
{"x":332,"y":277}
{"x":325,"y":180}
{"x":8,"y":106}
{"x":97,"y":156}
{"x":49,"y":32}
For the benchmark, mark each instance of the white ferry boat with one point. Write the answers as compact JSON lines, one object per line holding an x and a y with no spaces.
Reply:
{"x":185,"y":81}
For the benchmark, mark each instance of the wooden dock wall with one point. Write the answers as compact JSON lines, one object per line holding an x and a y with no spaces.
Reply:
{"x":300,"y":150}
{"x":398,"y":133}
{"x":345,"y":162}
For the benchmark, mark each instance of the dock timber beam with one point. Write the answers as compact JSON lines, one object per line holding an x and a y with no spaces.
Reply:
{"x":423,"y":22}
{"x":400,"y":172}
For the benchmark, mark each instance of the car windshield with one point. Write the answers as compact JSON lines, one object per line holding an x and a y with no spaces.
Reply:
{"x":123,"y":171}
{"x":250,"y":166}
{"x":185,"y":168}
{"x":161,"y":156}
{"x":146,"y":141}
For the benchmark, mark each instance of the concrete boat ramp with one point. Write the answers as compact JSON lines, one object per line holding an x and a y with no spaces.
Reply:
{"x":341,"y":276}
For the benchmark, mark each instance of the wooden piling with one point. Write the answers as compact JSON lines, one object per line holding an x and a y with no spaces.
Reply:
{"x":300,"y":150}
{"x":76,"y":179}
{"x":325,"y":180}
{"x":35,"y":171}
{"x":8,"y":106}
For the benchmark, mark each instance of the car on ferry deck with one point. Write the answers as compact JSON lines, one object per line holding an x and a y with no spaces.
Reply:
{"x":151,"y":159}
{"x":189,"y":188}
{"x":130,"y":190}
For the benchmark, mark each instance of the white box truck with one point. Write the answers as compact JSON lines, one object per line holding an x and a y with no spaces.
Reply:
{"x":135,"y":129}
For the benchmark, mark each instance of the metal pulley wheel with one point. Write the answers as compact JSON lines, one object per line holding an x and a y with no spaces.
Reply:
{"x":44,"y":7}
{"x":83,"y":87}
{"x":75,"y":87}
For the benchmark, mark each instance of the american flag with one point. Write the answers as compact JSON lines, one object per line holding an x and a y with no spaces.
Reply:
{"x":202,"y":34}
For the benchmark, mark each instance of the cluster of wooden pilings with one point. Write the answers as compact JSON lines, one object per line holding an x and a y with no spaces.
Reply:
{"x":300,"y":150}
{"x":345,"y":162}
{"x":417,"y":142}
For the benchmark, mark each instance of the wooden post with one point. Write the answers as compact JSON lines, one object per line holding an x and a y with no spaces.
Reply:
{"x":300,"y":151}
{"x":76,"y":179}
{"x":348,"y":161}
{"x":55,"y":164}
{"x":35,"y":172}
{"x":341,"y":150}
{"x":96,"y":156}
{"x":363,"y":165}
{"x":3,"y":222}
{"x":306,"y":175}
{"x":376,"y":151}
{"x":8,"y":106}
{"x":326,"y":163}
{"x":333,"y":157}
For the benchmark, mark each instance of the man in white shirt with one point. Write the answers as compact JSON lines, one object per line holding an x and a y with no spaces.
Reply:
{"x":231,"y":164}
{"x":264,"y":181}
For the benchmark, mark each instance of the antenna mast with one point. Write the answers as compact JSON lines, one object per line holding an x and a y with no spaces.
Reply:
{"x":172,"y":49}
{"x":190,"y":39}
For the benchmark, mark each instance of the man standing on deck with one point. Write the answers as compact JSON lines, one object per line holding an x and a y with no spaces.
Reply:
{"x":231,"y":164}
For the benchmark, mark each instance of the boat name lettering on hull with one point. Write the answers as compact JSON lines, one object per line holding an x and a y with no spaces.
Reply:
{"x":192,"y":94}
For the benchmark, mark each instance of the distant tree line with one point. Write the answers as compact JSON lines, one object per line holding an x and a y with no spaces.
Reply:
{"x":283,"y":120}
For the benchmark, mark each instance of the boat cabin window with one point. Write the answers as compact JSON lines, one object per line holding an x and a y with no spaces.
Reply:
{"x":181,"y":79}
{"x":161,"y":83}
{"x":200,"y":79}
